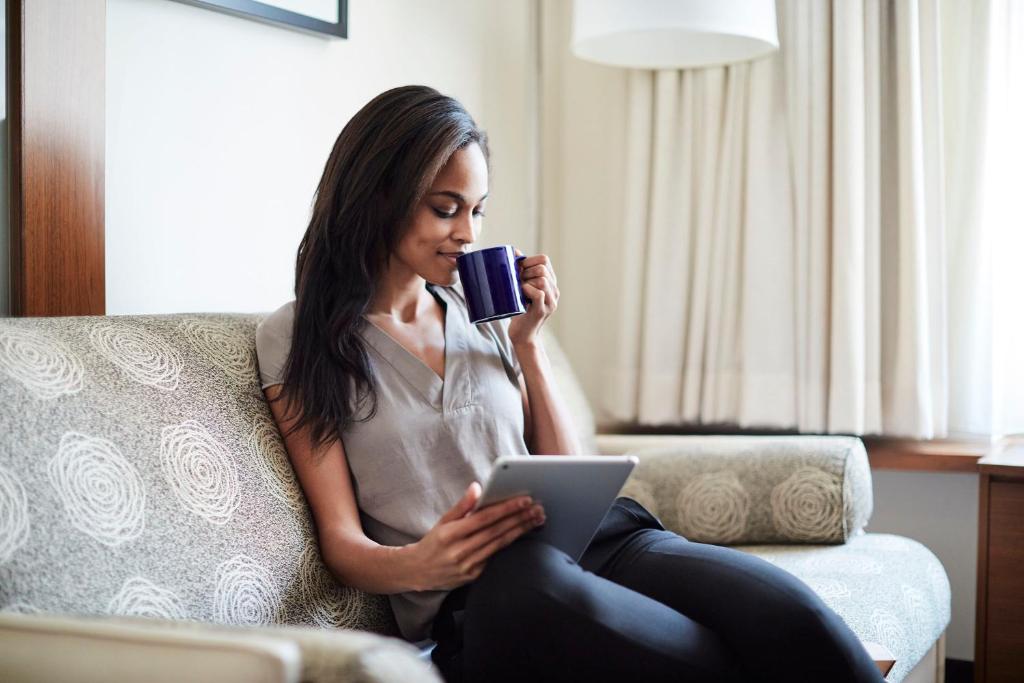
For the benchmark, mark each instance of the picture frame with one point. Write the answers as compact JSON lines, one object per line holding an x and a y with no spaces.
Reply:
{"x":284,"y":13}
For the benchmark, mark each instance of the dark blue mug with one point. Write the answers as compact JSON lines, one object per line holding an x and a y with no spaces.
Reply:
{"x":490,"y":280}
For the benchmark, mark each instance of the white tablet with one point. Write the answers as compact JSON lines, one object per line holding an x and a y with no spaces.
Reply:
{"x":575,"y":490}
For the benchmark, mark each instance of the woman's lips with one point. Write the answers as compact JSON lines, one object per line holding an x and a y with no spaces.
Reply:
{"x":451,"y":257}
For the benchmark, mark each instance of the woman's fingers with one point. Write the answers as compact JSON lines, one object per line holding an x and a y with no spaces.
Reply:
{"x":538,"y":275}
{"x":536,"y":296}
{"x":498,"y":537}
{"x":540,"y":270}
{"x":537,"y":266}
{"x":465,"y":504}
{"x":540,"y":287}
{"x":474,"y":573}
{"x":485,"y":517}
{"x":542,"y":292}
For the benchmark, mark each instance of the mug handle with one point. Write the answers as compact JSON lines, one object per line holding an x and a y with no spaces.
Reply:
{"x":522,"y":294}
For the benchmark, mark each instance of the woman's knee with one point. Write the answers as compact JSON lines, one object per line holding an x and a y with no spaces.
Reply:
{"x":513,"y":576}
{"x":527,"y":558}
{"x":804,"y":614}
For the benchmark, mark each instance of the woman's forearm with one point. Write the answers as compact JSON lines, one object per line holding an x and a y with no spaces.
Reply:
{"x":552,"y":428}
{"x":369,"y":566}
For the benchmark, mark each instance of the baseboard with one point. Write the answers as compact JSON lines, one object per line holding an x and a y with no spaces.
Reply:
{"x":959,"y":671}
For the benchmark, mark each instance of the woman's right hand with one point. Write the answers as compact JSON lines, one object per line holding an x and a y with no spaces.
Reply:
{"x":455,"y":551}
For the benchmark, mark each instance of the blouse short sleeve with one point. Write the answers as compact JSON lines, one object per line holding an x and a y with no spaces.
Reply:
{"x":273,"y":342}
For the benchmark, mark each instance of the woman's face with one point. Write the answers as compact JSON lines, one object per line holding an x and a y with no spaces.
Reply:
{"x":447,"y":220}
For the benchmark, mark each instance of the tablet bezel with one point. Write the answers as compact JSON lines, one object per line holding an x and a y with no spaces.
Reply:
{"x":576,"y":491}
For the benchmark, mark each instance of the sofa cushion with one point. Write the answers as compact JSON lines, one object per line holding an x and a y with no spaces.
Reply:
{"x":141,"y":473}
{"x":752,"y":489}
{"x":572,"y":393}
{"x":103,"y":649}
{"x":889,"y":589}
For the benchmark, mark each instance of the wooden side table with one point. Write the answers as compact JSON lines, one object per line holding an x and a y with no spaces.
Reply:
{"x":999,"y":625}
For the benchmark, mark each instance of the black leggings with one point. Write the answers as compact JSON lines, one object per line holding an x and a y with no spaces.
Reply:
{"x":642,"y":604}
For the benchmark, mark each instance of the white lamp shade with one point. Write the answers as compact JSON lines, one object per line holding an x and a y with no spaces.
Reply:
{"x":673,"y":34}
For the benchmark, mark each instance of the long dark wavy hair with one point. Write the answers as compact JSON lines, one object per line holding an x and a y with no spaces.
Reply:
{"x":384,"y":161}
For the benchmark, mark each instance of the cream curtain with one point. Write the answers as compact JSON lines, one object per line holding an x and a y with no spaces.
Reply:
{"x":786,"y":252}
{"x":984,"y":108}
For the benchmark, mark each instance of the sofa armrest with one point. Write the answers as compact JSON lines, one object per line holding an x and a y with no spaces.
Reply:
{"x":136,"y":649}
{"x":330,"y":655}
{"x":751,"y":489}
{"x":42,"y":648}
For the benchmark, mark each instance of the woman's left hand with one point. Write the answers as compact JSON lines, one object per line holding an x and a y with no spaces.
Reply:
{"x":541,"y":286}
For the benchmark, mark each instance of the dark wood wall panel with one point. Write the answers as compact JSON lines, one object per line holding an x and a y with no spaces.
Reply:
{"x":1004,"y":653}
{"x":55,"y":93}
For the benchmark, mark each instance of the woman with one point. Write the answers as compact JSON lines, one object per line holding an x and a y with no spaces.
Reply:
{"x":391,"y":403}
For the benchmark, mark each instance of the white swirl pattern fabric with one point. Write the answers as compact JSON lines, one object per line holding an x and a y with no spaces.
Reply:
{"x":890,"y":629}
{"x":268,"y":454}
{"x":916,"y":607}
{"x":880,"y":584}
{"x":759,"y":489}
{"x":140,"y":597}
{"x":829,"y":589}
{"x":246,"y":594}
{"x":14,"y":527}
{"x":101,"y":491}
{"x":713,"y":507}
{"x":221,"y":344}
{"x":331,"y":603}
{"x":44,"y":365}
{"x":144,"y":357}
{"x":261,"y":564}
{"x":177,"y":461}
{"x":200,"y":470}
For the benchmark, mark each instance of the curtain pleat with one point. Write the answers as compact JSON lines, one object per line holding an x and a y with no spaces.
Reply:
{"x":662,"y":331}
{"x":767,"y":334}
{"x":783,"y":248}
{"x":625,"y":346}
{"x":914,"y":391}
{"x":846,"y":385}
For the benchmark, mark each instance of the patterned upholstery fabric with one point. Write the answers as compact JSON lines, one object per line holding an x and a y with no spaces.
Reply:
{"x":730,"y":489}
{"x":141,"y":473}
{"x":888,"y":589}
{"x":572,"y":393}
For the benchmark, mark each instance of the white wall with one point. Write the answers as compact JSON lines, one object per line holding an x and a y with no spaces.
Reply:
{"x":583,"y":149}
{"x":939,"y":509}
{"x":218,"y":128}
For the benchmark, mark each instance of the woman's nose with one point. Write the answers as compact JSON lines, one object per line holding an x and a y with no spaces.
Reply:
{"x":466,"y":229}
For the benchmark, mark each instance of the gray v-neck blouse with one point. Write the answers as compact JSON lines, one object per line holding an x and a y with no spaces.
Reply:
{"x":429,"y":438}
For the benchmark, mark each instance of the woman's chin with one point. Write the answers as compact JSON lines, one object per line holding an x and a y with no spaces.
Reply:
{"x":443,"y":279}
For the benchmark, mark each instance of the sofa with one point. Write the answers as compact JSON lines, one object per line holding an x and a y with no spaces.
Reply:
{"x":151,"y":527}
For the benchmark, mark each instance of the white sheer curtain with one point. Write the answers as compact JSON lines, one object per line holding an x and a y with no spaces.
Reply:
{"x":984,"y":108}
{"x":787,"y":253}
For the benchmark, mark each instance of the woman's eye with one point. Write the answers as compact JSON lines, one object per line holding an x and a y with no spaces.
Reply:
{"x":445,"y":214}
{"x":479,"y":212}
